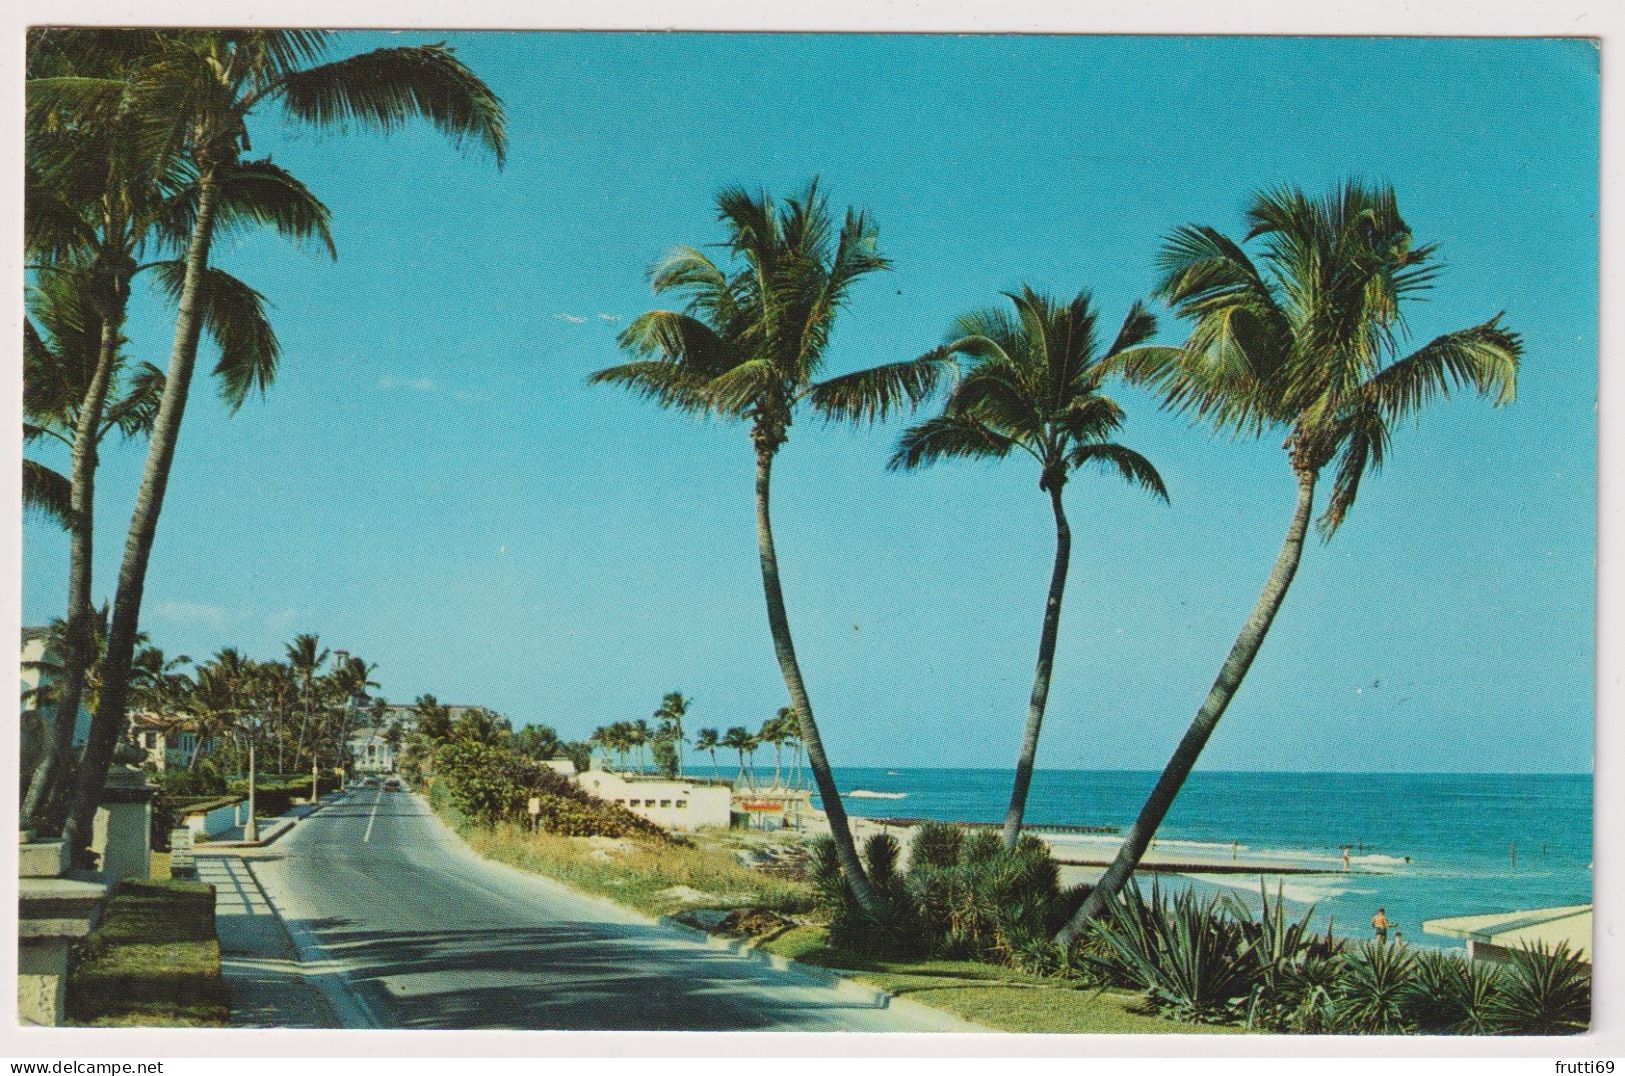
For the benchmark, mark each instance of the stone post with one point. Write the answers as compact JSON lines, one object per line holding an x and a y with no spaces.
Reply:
{"x":54,"y":912}
{"x":122,"y":834}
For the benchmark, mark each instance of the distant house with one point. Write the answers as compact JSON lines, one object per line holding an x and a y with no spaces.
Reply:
{"x":370,"y":750}
{"x":1495,"y":937}
{"x":169,"y":741}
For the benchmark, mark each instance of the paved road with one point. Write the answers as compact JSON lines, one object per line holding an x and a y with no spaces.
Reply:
{"x":402,"y":916}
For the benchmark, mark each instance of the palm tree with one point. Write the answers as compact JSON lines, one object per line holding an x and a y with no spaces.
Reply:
{"x":61,"y":363}
{"x":787,"y":717}
{"x":775,"y":730}
{"x":638,"y":736}
{"x":306,"y":656}
{"x":99,"y":193}
{"x":740,"y":740}
{"x":208,"y":83}
{"x":706,"y":740}
{"x":749,"y":345}
{"x":1304,"y":340}
{"x":1032,"y":383}
{"x":673,"y":708}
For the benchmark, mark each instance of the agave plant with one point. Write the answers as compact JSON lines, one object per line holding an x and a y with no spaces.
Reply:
{"x":1370,"y":992}
{"x":1189,"y":957}
{"x":1543,"y":992}
{"x":1451,"y":995}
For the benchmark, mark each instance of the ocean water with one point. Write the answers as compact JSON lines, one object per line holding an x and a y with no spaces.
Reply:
{"x":1457,"y":830}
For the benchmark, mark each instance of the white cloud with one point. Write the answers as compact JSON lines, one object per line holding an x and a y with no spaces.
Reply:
{"x":416,"y":384}
{"x":571,"y":318}
{"x":212,"y":616}
{"x":279,"y":620}
{"x":609,"y":317}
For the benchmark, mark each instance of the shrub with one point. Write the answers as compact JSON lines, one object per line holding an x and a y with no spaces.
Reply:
{"x":1190,"y":958}
{"x":489,"y":784}
{"x":1451,"y":995}
{"x":897,"y":930}
{"x":1543,"y":992}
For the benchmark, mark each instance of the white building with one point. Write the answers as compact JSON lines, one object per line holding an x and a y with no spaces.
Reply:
{"x":683,"y":804}
{"x":40,"y":664}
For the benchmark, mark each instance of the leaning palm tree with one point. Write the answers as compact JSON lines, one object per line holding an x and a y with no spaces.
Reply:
{"x":101,"y":193}
{"x":1304,"y":340}
{"x":208,"y":83}
{"x":749,"y":345}
{"x":706,"y":740}
{"x":69,"y":393}
{"x":1032,"y":383}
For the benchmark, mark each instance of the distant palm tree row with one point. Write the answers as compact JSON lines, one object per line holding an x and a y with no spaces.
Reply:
{"x":136,"y":145}
{"x":1301,"y":335}
{"x":625,"y":742}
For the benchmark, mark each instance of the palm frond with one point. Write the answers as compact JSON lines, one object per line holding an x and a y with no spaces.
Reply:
{"x":386,"y":87}
{"x":679,"y":338}
{"x":135,"y":411}
{"x":747,"y":386}
{"x":1484,"y":357}
{"x":1139,"y":326}
{"x":664,"y":383}
{"x":947,"y":437}
{"x":1364,"y":446}
{"x":253,"y":194}
{"x":1134,"y":468}
{"x":873,"y":395}
{"x":47,"y":493}
{"x":234,"y":315}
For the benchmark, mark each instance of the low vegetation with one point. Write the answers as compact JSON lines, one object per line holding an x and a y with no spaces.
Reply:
{"x":1189,"y":959}
{"x":153,"y":961}
{"x":490,"y":785}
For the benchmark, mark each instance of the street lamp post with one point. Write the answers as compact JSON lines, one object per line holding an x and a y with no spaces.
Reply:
{"x":251,"y":829}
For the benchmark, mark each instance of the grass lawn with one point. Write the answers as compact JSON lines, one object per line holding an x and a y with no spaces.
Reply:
{"x":153,"y":961}
{"x":996,"y":997}
{"x":655,"y":879}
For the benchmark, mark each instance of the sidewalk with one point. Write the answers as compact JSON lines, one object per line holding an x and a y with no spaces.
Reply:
{"x":257,"y":959}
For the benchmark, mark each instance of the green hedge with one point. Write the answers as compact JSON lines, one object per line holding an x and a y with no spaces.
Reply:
{"x":489,"y":784}
{"x":153,"y":961}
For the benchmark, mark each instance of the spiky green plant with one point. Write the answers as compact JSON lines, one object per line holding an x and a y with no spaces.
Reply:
{"x":1186,"y":954}
{"x":1368,"y":998}
{"x":1451,"y":995}
{"x":1543,"y":991}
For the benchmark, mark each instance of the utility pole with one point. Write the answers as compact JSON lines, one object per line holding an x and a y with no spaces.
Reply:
{"x":251,"y":831}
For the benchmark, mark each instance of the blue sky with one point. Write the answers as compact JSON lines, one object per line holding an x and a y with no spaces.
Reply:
{"x":431,"y":484}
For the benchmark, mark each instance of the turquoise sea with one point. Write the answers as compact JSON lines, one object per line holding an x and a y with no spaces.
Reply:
{"x":1458,"y":830}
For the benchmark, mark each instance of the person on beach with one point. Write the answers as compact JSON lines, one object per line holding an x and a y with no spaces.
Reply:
{"x":1345,"y":858}
{"x":1380,"y":924}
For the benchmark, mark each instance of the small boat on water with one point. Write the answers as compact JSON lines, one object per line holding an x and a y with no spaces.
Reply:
{"x":867,"y":794}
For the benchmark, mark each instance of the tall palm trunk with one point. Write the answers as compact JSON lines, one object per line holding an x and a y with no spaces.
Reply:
{"x":715,"y":769}
{"x":1224,"y":688}
{"x":108,"y":721}
{"x":779,"y":625}
{"x":1041,"y":677}
{"x":37,"y":807}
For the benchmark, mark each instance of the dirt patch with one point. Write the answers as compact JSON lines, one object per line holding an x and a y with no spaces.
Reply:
{"x":752,"y":923}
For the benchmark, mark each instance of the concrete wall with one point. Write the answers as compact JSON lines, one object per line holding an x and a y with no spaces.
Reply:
{"x":678,"y":805}
{"x":216,"y":820}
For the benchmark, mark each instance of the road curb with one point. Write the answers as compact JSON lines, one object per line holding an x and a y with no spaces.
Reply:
{"x":752,"y":950}
{"x":334,"y":982}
